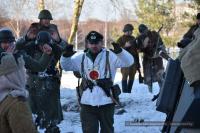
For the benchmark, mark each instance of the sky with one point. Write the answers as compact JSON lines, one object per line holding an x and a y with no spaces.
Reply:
{"x":104,"y":9}
{"x":96,"y":9}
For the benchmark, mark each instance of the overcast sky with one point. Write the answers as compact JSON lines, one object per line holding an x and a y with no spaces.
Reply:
{"x":96,"y":9}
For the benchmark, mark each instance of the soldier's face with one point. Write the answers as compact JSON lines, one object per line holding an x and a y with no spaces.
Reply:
{"x":128,"y":32}
{"x":55,"y":36}
{"x":198,"y":21}
{"x":95,"y":48}
{"x":8,"y":46}
{"x":45,"y":22}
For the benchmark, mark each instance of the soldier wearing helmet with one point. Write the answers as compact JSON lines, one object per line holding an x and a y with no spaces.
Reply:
{"x":150,"y":44}
{"x":13,"y":95}
{"x":142,"y":28}
{"x":6,"y":39}
{"x":45,"y":17}
{"x":189,"y":35}
{"x":126,"y":41}
{"x":44,"y":84}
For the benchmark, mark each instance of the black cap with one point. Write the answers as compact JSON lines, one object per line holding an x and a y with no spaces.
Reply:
{"x":198,"y":15}
{"x":94,"y":37}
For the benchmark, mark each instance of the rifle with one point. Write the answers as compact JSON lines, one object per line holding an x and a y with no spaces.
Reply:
{"x":154,"y":55}
{"x":167,"y":57}
{"x":158,"y":41}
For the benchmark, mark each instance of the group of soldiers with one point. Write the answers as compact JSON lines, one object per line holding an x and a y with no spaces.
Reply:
{"x":41,"y":48}
{"x":150,"y":44}
{"x":44,"y":54}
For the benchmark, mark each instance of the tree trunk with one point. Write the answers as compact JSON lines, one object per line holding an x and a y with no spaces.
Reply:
{"x":41,"y":5}
{"x":77,"y":12}
{"x":18,"y":29}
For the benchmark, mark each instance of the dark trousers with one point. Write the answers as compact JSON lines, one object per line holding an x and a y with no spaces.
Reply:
{"x":44,"y":100}
{"x":128,"y":75}
{"x":92,"y":116}
{"x":15,"y":116}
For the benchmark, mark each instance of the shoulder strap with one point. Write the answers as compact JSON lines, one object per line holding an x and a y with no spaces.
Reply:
{"x":107,"y":66}
{"x":82,"y":65}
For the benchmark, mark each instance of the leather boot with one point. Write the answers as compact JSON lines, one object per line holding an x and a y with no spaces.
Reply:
{"x":130,"y":85}
{"x":124,"y":86}
{"x":150,"y":87}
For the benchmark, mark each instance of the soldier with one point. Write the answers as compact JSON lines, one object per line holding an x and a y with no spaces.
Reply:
{"x":15,"y":116}
{"x":126,"y":41}
{"x":150,"y":43}
{"x":97,"y":67}
{"x":47,"y":84}
{"x":189,"y":35}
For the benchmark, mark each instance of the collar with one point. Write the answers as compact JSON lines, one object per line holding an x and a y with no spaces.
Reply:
{"x":91,"y":55}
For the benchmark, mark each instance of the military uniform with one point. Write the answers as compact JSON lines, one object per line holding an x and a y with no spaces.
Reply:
{"x":44,"y":87}
{"x":128,"y":73}
{"x":150,"y":43}
{"x":189,"y":35}
{"x":15,"y":115}
{"x":97,"y":108}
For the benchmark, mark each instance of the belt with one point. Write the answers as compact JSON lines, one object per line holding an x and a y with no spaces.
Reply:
{"x":33,"y":73}
{"x":100,"y":106}
{"x":41,"y":74}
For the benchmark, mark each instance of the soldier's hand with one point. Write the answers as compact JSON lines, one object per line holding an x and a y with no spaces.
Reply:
{"x":68,"y":51}
{"x":32,"y":31}
{"x":127,"y":44}
{"x":117,"y":48}
{"x":47,"y":49}
{"x":55,"y":36}
{"x":11,"y":48}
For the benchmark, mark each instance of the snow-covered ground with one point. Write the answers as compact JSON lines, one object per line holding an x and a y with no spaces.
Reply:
{"x":138,"y":107}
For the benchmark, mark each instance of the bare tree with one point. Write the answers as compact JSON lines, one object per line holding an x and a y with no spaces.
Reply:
{"x":41,"y":5}
{"x":77,"y":11}
{"x":3,"y":16}
{"x":15,"y":13}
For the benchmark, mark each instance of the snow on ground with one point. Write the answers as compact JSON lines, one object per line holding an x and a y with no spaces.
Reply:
{"x":138,"y":106}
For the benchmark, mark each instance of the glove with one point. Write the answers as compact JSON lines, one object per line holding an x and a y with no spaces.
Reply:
{"x":68,"y":52}
{"x":184,"y":42}
{"x":117,"y":48}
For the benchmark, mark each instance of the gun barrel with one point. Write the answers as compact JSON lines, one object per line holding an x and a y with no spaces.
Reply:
{"x":164,"y":55}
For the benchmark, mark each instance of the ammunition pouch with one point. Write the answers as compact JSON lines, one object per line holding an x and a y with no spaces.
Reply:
{"x":105,"y":84}
{"x":87,"y":84}
{"x":110,"y":90}
{"x":116,"y":91}
{"x":83,"y":86}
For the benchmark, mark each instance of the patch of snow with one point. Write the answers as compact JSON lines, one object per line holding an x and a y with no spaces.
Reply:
{"x":138,"y":106}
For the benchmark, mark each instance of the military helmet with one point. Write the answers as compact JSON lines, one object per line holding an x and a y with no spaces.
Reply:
{"x":45,"y":14}
{"x":142,"y":28}
{"x":128,"y":27}
{"x":6,"y":35}
{"x":43,"y":37}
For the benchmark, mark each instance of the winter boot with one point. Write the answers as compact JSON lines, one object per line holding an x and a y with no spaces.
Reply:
{"x":150,"y":87}
{"x":130,"y":85}
{"x":52,"y":129}
{"x":124,"y":86}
